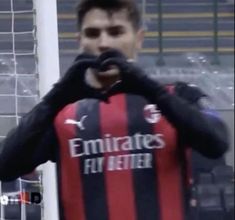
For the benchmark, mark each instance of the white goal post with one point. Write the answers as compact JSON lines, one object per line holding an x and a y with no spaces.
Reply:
{"x":49,"y":72}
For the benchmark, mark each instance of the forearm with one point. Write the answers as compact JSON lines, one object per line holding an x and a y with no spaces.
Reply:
{"x":18,"y":148}
{"x":206,"y":133}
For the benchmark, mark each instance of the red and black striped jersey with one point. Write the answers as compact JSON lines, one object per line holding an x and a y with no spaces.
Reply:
{"x":120,"y":160}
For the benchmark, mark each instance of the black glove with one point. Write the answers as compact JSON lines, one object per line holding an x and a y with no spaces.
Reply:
{"x":133,"y":79}
{"x":72,"y":86}
{"x":192,"y":94}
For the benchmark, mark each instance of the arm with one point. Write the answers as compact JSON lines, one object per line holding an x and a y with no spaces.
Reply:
{"x":205,"y":132}
{"x":33,"y":142}
{"x":200,"y":128}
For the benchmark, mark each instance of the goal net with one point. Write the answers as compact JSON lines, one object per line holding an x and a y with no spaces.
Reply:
{"x":21,"y":61}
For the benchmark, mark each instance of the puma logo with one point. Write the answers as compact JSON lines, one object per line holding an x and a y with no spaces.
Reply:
{"x":80,"y":124}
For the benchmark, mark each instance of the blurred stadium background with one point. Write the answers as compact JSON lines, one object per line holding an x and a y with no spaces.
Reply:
{"x":190,"y":40}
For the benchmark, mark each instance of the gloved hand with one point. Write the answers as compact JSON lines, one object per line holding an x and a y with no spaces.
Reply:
{"x":132,"y":78}
{"x":72,"y":86}
{"x":192,"y":94}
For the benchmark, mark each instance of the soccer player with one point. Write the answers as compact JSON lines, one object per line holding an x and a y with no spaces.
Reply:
{"x":119,"y":138}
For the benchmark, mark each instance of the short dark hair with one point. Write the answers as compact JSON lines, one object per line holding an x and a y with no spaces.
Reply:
{"x":110,"y":6}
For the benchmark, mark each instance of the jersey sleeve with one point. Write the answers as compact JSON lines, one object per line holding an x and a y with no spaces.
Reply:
{"x":30,"y":144}
{"x":206,"y":133}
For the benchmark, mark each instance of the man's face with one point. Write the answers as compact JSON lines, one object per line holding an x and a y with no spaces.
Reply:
{"x":101,"y":31}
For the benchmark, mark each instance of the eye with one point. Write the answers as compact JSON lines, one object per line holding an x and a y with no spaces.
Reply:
{"x":115,"y":31}
{"x":92,"y":32}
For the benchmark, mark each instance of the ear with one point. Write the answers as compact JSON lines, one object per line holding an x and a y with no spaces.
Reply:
{"x":140,"y":38}
{"x":78,"y":34}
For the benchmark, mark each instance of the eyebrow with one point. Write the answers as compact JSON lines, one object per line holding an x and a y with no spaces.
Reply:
{"x":116,"y":27}
{"x":109,"y":27}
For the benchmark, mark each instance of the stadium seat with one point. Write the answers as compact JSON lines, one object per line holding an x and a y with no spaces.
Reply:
{"x":205,"y":178}
{"x":223,"y":174}
{"x":12,"y":212}
{"x":33,"y":212}
{"x":12,"y":186}
{"x":209,"y":202}
{"x":228,"y":200}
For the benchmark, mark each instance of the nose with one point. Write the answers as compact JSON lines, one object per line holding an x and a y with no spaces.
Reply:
{"x":105,"y":42}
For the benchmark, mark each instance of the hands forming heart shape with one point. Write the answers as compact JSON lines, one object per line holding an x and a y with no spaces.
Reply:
{"x":99,"y":75}
{"x":95,"y":77}
{"x":111,"y":69}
